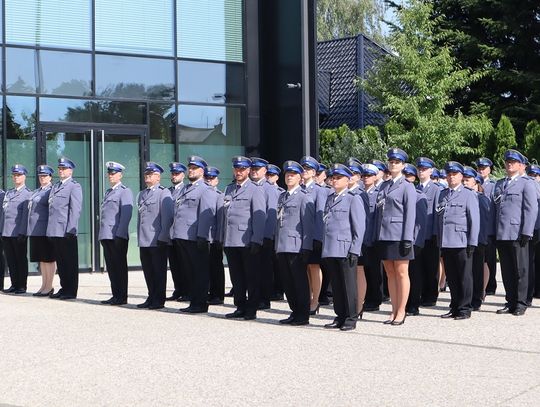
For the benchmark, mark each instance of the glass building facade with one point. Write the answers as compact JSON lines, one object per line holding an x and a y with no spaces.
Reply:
{"x":123,"y":80}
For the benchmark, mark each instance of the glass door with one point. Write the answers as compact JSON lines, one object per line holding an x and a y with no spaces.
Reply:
{"x":90,"y":148}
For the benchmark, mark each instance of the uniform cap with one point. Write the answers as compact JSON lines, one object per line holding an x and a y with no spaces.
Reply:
{"x":479,"y":179}
{"x":514,"y":155}
{"x":340,"y":169}
{"x":370,"y":169}
{"x":483,"y":162}
{"x":397,"y":154}
{"x":442,"y":173}
{"x":44,"y":170}
{"x":153,"y":167}
{"x":273,"y":169}
{"x":308,"y":161}
{"x":453,"y":166}
{"x":177,"y":167}
{"x":380,"y":165}
{"x":469,"y":172}
{"x":196,"y":160}
{"x":424,"y":162}
{"x":64,"y":162}
{"x":354,"y":165}
{"x":240,"y":161}
{"x":435,"y":173}
{"x":322,"y":168}
{"x":114,"y":166}
{"x":258,"y":162}
{"x":19,"y":169}
{"x":211,"y":171}
{"x":533,"y":169}
{"x":292,"y":166}
{"x":410,"y":170}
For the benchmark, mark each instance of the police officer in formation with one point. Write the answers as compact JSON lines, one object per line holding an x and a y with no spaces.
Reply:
{"x":533,"y":171}
{"x":2,"y":258}
{"x":116,"y":210}
{"x":14,"y":229}
{"x":65,"y":205}
{"x":154,"y":222}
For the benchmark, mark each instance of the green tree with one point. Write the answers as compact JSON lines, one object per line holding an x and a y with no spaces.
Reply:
{"x":414,"y":88}
{"x":532,"y":140}
{"x":505,"y":138}
{"x":346,"y":18}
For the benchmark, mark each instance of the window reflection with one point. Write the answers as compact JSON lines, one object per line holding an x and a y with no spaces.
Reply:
{"x":20,"y":74}
{"x":57,"y":80}
{"x":134,"y":78}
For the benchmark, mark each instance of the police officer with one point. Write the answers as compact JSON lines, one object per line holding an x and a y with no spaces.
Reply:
{"x":41,"y":249}
{"x":458,"y":224}
{"x":14,"y":229}
{"x":65,"y":205}
{"x":344,"y":228}
{"x":533,"y":171}
{"x":516,"y":208}
{"x":154,"y":222}
{"x":116,"y":210}
{"x":321,"y":175}
{"x":294,"y":241}
{"x":257,"y":174}
{"x":2,"y":258}
{"x":244,"y":224}
{"x":420,"y":231}
{"x":534,"y":241}
{"x":427,"y":260}
{"x":194,"y":214}
{"x":178,"y":274}
{"x":216,"y":290}
{"x":272,"y":174}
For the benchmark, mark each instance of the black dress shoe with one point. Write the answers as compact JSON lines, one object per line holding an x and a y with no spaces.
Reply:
{"x":67,"y":297}
{"x":347,"y":327}
{"x":449,"y":314}
{"x":519,"y":312}
{"x":235,"y":314}
{"x":10,"y":290}
{"x":193,"y":310}
{"x":19,"y":291}
{"x":145,"y":304}
{"x":334,"y":325}
{"x":250,"y":317}
{"x":371,"y":307}
{"x":504,"y":310}
{"x":118,"y":302}
{"x":156,"y":306}
{"x":476,"y":307}
{"x":184,"y":298}
{"x":56,"y":295}
{"x":230,"y":293}
{"x":172,"y":298}
{"x":108,"y":302}
{"x":413,"y":312}
{"x":215,"y":301}
{"x":263,"y":305}
{"x":325,"y":301}
{"x":462,"y":316}
{"x":286,"y":321}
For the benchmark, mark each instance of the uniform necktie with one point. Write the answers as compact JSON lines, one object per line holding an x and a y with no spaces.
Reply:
{"x":287,"y":195}
{"x":238,"y":186}
{"x":421,"y":187}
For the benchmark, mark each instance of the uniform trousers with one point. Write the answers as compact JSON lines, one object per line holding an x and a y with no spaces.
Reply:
{"x":115,"y":253}
{"x":458,"y":267}
{"x":2,"y":264}
{"x":416,"y":281}
{"x":15,"y":249}
{"x":296,"y":284}
{"x":178,"y":274}
{"x":195,"y":262}
{"x":66,"y":253}
{"x":342,"y":273}
{"x":154,"y":265}
{"x":536,"y":271}
{"x":491,"y":260}
{"x":217,"y":272}
{"x":532,"y":271}
{"x":374,"y":276}
{"x":244,"y":268}
{"x":514,"y":270}
{"x":428,"y":265}
{"x":478,"y":275}
{"x":268,"y":255}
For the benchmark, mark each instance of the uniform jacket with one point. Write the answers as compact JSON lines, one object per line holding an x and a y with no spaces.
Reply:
{"x":271,"y":194}
{"x":176,"y":191}
{"x":244,"y":214}
{"x":295,"y":222}
{"x":65,"y":205}
{"x":395,"y":211}
{"x":155,"y":216}
{"x":216,"y":229}
{"x":344,"y":225}
{"x":516,"y":207}
{"x":116,"y":211}
{"x":319,"y":195}
{"x":370,"y":215}
{"x":458,"y":218}
{"x":421,"y":230}
{"x":194,"y":212}
{"x":488,"y":186}
{"x":487,"y":218}
{"x":537,"y":188}
{"x":15,"y":212}
{"x":38,"y":211}
{"x":432,"y":191}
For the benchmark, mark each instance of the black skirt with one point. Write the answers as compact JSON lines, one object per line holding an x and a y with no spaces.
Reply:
{"x":315,"y":256}
{"x":389,"y":250}
{"x":41,"y":249}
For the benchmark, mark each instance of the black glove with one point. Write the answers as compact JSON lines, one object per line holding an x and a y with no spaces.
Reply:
{"x":305,"y":254}
{"x":353,"y":259}
{"x":268,"y":243}
{"x":523,"y":240}
{"x":405,"y":247}
{"x":162,"y":243}
{"x":70,"y":235}
{"x":255,"y":248}
{"x":21,"y":238}
{"x":202,"y":244}
{"x":470,"y":250}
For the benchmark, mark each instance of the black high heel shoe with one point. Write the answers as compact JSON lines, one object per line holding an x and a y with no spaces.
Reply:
{"x":361,"y":315}
{"x":315,"y":311}
{"x":395,"y":323}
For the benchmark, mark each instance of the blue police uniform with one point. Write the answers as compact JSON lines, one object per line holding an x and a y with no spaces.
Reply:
{"x":293,"y":244}
{"x":344,"y":228}
{"x":458,"y":226}
{"x":244,"y":224}
{"x":516,"y":211}
{"x":65,"y":206}
{"x":2,"y":258}
{"x":154,"y":220}
{"x":116,"y":212}
{"x":14,"y":222}
{"x":533,"y":291}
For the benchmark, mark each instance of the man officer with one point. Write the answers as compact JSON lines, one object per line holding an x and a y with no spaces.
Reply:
{"x":14,"y":222}
{"x":178,"y":274}
{"x":244,"y":223}
{"x":116,"y":211}
{"x":65,"y":205}
{"x":153,"y":232}
{"x":194,"y":214}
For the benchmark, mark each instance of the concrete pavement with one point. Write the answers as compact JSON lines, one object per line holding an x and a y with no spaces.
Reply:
{"x":81,"y":353}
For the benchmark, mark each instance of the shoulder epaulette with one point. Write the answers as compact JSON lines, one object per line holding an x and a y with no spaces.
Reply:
{"x":161,"y":187}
